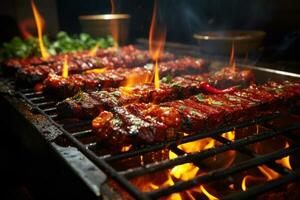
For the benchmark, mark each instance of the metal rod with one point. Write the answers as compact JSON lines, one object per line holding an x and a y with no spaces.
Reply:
{"x":32,"y":94}
{"x":37,"y":98}
{"x":76,"y":124}
{"x":255,"y":190}
{"x":157,"y":166}
{"x":221,"y":173}
{"x":244,"y":150}
{"x":45,"y":103}
{"x":81,"y":134}
{"x":49,"y":109}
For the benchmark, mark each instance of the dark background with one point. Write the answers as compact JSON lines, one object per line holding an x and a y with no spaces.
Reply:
{"x":183,"y":18}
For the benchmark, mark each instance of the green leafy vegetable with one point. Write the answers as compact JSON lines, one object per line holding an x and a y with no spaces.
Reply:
{"x":200,"y":97}
{"x":19,"y":48}
{"x":217,"y":103}
{"x":167,"y":79}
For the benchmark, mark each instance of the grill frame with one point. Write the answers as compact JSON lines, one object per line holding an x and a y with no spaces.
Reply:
{"x":20,"y":100}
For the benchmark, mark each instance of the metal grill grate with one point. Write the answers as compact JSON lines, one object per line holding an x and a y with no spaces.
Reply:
{"x":42,"y":104}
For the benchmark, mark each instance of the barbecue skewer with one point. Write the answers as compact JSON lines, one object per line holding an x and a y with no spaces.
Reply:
{"x":125,"y":57}
{"x":66,"y":87}
{"x":142,"y":123}
{"x":90,"y":104}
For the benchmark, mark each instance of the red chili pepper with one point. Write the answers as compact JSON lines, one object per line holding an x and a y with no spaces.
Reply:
{"x":210,"y":89}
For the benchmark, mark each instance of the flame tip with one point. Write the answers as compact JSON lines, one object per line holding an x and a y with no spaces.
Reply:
{"x":39,"y":24}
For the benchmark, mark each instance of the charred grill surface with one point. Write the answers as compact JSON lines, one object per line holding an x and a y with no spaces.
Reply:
{"x":142,"y":123}
{"x":66,"y":87}
{"x":88,"y":105}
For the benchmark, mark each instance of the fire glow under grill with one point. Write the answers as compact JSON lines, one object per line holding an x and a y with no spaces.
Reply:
{"x":131,"y":176}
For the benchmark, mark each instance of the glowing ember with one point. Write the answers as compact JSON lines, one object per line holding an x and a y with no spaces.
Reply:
{"x":39,"y":21}
{"x":286,"y":160}
{"x":65,"y":71}
{"x":157,"y":37}
{"x":97,"y":70}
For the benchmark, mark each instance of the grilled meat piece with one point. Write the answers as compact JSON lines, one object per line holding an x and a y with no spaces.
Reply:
{"x":231,"y":76}
{"x":179,"y":88}
{"x":66,"y":87}
{"x":12,"y":65}
{"x":125,"y":57}
{"x":142,"y":123}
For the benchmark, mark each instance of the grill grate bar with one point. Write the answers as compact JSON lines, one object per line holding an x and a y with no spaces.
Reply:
{"x":218,"y":174}
{"x":53,"y":116}
{"x":27,"y":90}
{"x":123,"y":177}
{"x":32,"y":94}
{"x":81,"y":134}
{"x":76,"y":125}
{"x":39,"y":98}
{"x":49,"y":109}
{"x":47,"y":103}
{"x":255,"y":190}
{"x":244,"y":150}
{"x":192,"y":157}
{"x":105,"y":166}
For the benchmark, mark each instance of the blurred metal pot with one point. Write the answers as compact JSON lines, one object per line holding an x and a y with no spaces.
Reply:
{"x":116,"y":25}
{"x":220,"y":42}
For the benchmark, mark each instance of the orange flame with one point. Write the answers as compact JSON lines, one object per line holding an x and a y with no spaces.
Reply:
{"x":286,"y":160}
{"x":157,"y":37}
{"x":65,"y":71}
{"x":113,"y":6}
{"x":248,"y":178}
{"x":156,"y":75}
{"x":232,"y":57}
{"x":188,"y":171}
{"x":97,"y":71}
{"x":114,"y":25}
{"x":126,"y":148}
{"x":39,"y":21}
{"x":26,"y":25}
{"x":134,"y":79}
{"x":230,"y":135}
{"x":209,"y":196}
{"x":93,"y":51}
{"x":266,"y":171}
